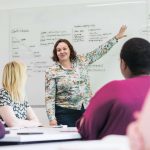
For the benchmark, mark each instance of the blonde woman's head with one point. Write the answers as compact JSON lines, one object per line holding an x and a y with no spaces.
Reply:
{"x":14,"y":79}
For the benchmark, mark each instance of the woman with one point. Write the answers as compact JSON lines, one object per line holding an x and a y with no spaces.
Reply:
{"x":14,"y":108}
{"x":67,"y":83}
{"x":110,"y":110}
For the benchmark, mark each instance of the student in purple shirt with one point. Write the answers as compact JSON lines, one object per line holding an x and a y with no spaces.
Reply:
{"x":112,"y":107}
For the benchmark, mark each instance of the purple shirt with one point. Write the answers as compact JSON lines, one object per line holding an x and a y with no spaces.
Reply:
{"x":112,"y":107}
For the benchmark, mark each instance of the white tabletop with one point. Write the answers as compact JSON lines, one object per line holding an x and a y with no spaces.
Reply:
{"x":19,"y":135}
{"x":112,"y":142}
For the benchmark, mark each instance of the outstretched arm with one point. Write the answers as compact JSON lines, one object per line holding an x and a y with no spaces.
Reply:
{"x":99,"y":52}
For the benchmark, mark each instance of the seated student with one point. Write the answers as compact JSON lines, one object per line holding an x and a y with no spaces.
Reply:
{"x":111,"y":109}
{"x":139,"y":131}
{"x":14,"y":108}
{"x":2,"y":130}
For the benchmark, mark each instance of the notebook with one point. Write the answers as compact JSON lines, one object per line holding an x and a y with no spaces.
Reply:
{"x":40,"y":134}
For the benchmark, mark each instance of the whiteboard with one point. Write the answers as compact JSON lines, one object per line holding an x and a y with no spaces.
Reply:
{"x":147,"y":30}
{"x":4,"y":42}
{"x":34,"y":31}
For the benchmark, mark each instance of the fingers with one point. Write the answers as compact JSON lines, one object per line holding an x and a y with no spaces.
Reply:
{"x":53,"y":122}
{"x":121,"y":32}
{"x":124,"y":27}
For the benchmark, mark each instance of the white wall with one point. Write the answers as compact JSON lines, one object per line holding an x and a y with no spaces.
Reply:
{"x":4,"y":39}
{"x":14,"y":4}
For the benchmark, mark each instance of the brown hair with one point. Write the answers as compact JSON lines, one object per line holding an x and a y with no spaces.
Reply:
{"x":72,"y":51}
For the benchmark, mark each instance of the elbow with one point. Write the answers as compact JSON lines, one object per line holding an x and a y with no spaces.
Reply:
{"x":12,"y":123}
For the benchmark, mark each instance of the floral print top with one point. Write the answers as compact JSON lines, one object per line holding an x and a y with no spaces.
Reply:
{"x":20,"y":109}
{"x":70,"y":88}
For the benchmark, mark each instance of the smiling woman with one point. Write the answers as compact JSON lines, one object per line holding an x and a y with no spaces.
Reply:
{"x":67,"y":83}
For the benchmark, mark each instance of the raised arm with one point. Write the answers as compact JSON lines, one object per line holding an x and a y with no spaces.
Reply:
{"x":96,"y":54}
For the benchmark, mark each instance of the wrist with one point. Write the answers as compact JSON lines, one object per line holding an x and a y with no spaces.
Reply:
{"x":116,"y":38}
{"x":51,"y":118}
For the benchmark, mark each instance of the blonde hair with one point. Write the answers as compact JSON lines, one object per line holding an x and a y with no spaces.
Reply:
{"x":13,"y":80}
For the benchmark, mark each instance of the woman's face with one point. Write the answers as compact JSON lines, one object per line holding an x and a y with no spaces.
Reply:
{"x":63,"y":52}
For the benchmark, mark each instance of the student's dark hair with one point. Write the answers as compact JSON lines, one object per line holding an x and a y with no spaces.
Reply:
{"x":136,"y":54}
{"x":72,"y":51}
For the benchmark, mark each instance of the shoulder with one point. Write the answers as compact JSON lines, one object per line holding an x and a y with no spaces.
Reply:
{"x":81,"y":58}
{"x":112,"y":86}
{"x":53,"y":69}
{"x":109,"y":92}
{"x":26,"y":103}
{"x":5,"y":98}
{"x":118,"y":92}
{"x":110,"y":95}
{"x":4,"y":93}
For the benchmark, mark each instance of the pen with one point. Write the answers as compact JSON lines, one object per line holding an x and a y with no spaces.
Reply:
{"x":29,"y":133}
{"x":59,"y":126}
{"x":68,"y":131}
